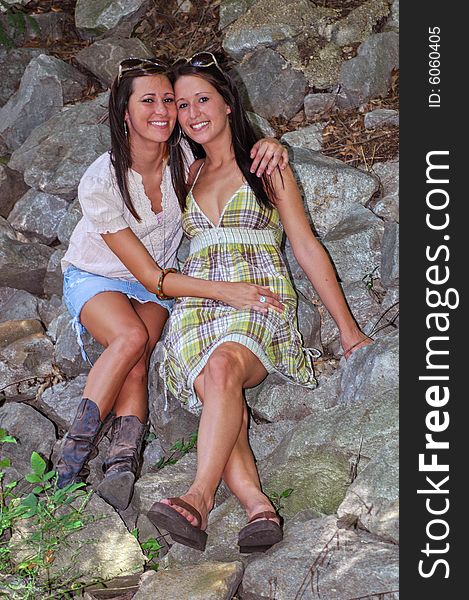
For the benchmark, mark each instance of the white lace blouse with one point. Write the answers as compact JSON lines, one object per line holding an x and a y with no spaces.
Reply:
{"x":104,"y":211}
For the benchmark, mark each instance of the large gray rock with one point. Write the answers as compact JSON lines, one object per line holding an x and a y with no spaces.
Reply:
{"x":359,"y":24}
{"x":387,"y":207}
{"x":102,"y":549}
{"x":317,"y":457}
{"x":23,"y":265}
{"x":152,"y":454}
{"x":103,"y":57}
{"x":374,"y":495}
{"x":46,"y":85}
{"x":355,"y":244}
{"x":67,"y":354}
{"x":12,"y":65}
{"x":58,"y":152}
{"x":50,"y":308}
{"x":265,"y":437}
{"x":372,"y":372}
{"x":368,"y":74}
{"x":268,"y":23}
{"x":309,"y":323}
{"x":95,"y":17}
{"x":15,"y":329}
{"x":43,"y":28}
{"x":269,"y":86}
{"x":60,"y":402}
{"x":37,"y":436}
{"x":38,"y":215}
{"x":280,"y":401}
{"x":323,"y":562}
{"x":390,"y":255}
{"x":309,"y":137}
{"x":392,"y":24}
{"x":330,"y":187}
{"x":17,"y":304}
{"x":69,"y":221}
{"x":208,"y":581}
{"x":381,"y":117}
{"x":53,"y":280}
{"x":318,"y":104}
{"x":261,"y":126}
{"x":12,"y":187}
{"x":230,"y":10}
{"x":172,"y":480}
{"x":319,"y":59}
{"x":170,"y":420}
{"x":23,"y":363}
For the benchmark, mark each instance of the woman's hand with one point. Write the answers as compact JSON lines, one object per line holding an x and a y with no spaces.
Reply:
{"x":249,"y":295}
{"x":268,"y":153}
{"x":352,"y":343}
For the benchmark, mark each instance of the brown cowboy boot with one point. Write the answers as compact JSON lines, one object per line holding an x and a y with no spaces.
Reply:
{"x":122,"y":462}
{"x":80,"y":444}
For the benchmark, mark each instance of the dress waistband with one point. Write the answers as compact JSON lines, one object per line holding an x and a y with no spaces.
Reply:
{"x":234,"y":235}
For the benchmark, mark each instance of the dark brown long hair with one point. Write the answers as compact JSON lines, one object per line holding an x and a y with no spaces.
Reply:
{"x":242,"y":133}
{"x":121,"y":158}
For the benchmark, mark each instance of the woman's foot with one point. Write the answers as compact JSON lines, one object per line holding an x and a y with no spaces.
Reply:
{"x":184,"y":518}
{"x":264,"y":528}
{"x":195,"y":500}
{"x":259,"y":503}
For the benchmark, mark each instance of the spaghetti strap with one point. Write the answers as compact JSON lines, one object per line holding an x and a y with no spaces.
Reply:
{"x":197,"y":176}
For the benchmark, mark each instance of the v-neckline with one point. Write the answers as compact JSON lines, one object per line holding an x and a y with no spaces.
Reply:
{"x":148,"y":204}
{"x":222,"y":214}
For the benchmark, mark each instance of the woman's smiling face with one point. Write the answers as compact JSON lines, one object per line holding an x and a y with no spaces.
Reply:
{"x":201,"y":110}
{"x":151,"y":111}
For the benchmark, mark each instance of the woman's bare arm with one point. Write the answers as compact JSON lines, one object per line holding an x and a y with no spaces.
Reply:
{"x":313,"y":259}
{"x":133,"y":254}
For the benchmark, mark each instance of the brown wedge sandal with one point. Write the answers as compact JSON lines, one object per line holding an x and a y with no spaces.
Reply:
{"x":259,"y":536}
{"x":162,"y":515}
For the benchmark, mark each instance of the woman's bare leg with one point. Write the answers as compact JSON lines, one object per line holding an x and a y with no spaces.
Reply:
{"x":133,"y":396}
{"x":113,"y":321}
{"x":223,"y":426}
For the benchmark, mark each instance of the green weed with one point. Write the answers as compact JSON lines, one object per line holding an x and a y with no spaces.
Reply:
{"x":177,"y":451}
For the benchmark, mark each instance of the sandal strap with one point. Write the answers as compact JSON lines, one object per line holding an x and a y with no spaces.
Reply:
{"x":267,"y":514}
{"x":183,"y":504}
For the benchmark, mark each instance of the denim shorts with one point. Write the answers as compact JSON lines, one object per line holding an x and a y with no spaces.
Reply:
{"x":80,"y":286}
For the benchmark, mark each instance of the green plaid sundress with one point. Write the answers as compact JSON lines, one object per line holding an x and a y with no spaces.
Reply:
{"x":243,"y":246}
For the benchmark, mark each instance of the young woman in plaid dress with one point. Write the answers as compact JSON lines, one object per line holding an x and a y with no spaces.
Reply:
{"x":213,"y":351}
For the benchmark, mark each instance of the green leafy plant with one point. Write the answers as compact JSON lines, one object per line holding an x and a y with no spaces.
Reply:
{"x":276,"y":498}
{"x":177,"y":451}
{"x":150,"y":548}
{"x":17,"y":19}
{"x":370,"y":278}
{"x":44,"y":516}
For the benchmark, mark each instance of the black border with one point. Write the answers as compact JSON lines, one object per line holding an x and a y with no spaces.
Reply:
{"x":424,"y":129}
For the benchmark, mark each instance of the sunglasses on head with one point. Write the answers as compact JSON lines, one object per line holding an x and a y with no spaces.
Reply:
{"x":199,"y":59}
{"x":149,"y":65}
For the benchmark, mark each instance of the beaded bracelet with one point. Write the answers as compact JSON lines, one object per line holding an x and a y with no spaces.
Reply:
{"x":159,"y":286}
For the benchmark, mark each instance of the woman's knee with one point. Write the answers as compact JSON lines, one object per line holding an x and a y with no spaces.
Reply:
{"x":224,"y":368}
{"x":131,"y":341}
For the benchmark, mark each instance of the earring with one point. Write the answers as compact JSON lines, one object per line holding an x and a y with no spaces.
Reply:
{"x":126,"y":131}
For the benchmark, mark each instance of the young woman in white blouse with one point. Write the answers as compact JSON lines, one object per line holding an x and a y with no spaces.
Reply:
{"x":118,"y":256}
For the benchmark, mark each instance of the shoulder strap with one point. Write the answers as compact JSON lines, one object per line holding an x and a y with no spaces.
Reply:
{"x":197,"y":176}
